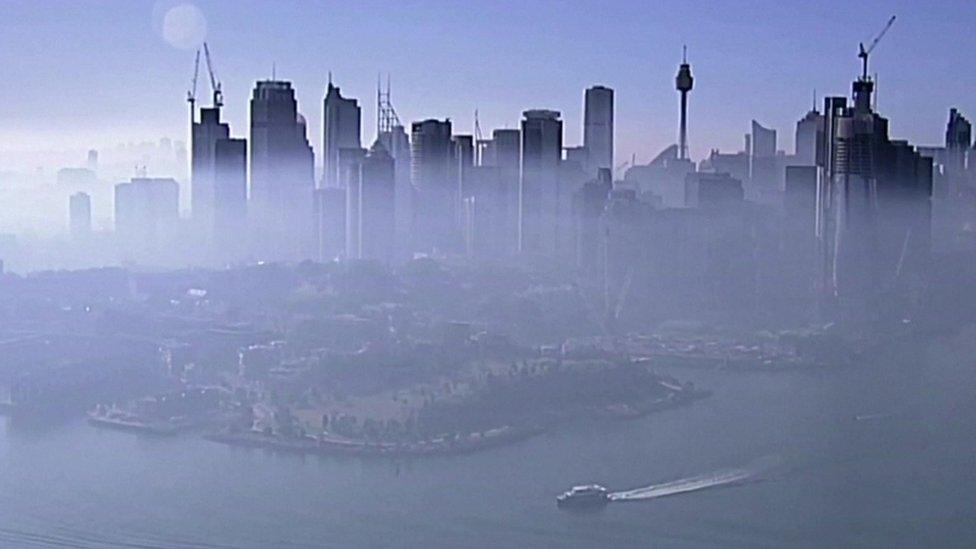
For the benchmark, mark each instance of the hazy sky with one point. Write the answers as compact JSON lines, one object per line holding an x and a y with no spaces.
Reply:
{"x":94,"y":73}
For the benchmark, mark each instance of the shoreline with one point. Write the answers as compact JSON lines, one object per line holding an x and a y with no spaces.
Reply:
{"x":472,"y":442}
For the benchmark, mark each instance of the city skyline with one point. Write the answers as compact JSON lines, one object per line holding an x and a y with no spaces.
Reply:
{"x":144,"y":102}
{"x":432,"y":273}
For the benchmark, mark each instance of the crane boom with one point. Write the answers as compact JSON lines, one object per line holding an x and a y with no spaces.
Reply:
{"x":865,"y":52}
{"x":218,"y":95}
{"x":191,"y":94}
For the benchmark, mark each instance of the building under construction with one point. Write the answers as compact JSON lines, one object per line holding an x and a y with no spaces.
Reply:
{"x":873,"y":201}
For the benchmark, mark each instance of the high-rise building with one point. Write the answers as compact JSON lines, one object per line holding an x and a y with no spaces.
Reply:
{"x":712,"y":191}
{"x":463,"y":161}
{"x":542,"y":145}
{"x":204,"y":137}
{"x":147,"y":212}
{"x":330,"y":222}
{"x":92,"y":161}
{"x":590,"y":202}
{"x":341,"y":123}
{"x":873,"y":204}
{"x":598,"y":129}
{"x":230,"y":199}
{"x":79,"y":215}
{"x":764,"y":179}
{"x":397,"y":144}
{"x":282,"y":174}
{"x":431,"y":170}
{"x":959,"y":132}
{"x":505,"y":154}
{"x":808,"y":135}
{"x":371,"y":204}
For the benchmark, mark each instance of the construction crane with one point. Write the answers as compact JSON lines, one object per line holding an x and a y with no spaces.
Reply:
{"x":865,"y":52}
{"x":218,"y":95}
{"x":480,"y":143}
{"x":191,"y":94}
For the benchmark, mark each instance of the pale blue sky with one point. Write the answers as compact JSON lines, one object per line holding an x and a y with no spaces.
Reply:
{"x":92,"y":73}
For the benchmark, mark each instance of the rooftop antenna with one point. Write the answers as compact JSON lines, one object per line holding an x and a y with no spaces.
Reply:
{"x":865,"y":52}
{"x":814,"y":100}
{"x":386,"y":115}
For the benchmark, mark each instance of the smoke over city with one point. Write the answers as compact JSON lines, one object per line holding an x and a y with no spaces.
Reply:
{"x":304,"y":275}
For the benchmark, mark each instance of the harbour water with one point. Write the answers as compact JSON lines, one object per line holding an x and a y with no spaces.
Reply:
{"x":903,"y":474}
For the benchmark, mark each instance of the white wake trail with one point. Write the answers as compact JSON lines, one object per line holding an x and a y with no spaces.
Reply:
{"x":681,"y":486}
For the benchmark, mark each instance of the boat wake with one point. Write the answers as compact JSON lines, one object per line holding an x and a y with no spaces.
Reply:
{"x":715,"y":479}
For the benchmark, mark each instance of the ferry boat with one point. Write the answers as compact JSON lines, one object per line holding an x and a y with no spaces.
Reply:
{"x":586,"y":496}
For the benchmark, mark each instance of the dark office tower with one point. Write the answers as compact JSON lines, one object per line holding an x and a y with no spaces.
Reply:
{"x":147,"y":212}
{"x":542,"y":145}
{"x":330,"y":222}
{"x":79,"y":215}
{"x":957,"y":142}
{"x":958,"y":131}
{"x":798,"y":235}
{"x":506,"y":156}
{"x":204,"y":136}
{"x":684,"y":83}
{"x":483,"y":213}
{"x":598,"y":129}
{"x":801,"y":197}
{"x":589,"y":204}
{"x":463,"y":162}
{"x":808,"y":135}
{"x":282,"y":174}
{"x":230,"y":200}
{"x":874,"y":211}
{"x":431,"y":169}
{"x":371,"y":208}
{"x":341,"y":122}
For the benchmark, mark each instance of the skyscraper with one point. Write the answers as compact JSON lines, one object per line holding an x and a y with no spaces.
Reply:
{"x":589,"y":203}
{"x":282,"y":174}
{"x":204,"y":136}
{"x":79,"y":215}
{"x":431,"y":170}
{"x":542,"y":145}
{"x":873,"y":206}
{"x":230,"y":200}
{"x":808,"y":130}
{"x":371,"y":208}
{"x":92,"y":161}
{"x":147,"y":211}
{"x":462,"y":162}
{"x":505,"y":154}
{"x":764,"y":175}
{"x":330,"y":222}
{"x":959,"y":132}
{"x":394,"y":139}
{"x":598,"y":129}
{"x":341,"y":123}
